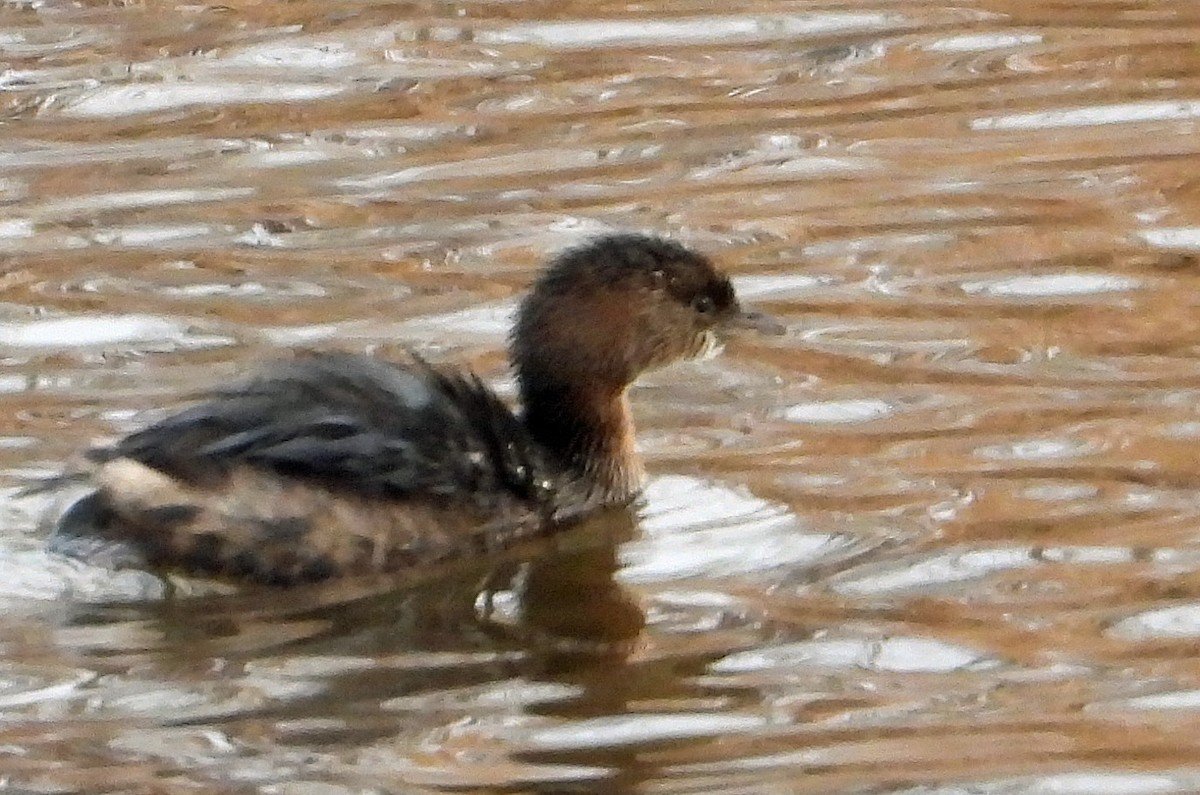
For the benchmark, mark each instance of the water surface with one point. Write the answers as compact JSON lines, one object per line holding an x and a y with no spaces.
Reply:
{"x":942,"y":537}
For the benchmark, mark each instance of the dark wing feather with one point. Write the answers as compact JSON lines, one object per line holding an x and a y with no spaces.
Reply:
{"x":370,"y":426}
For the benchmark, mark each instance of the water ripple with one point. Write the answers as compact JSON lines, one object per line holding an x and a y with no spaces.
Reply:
{"x":939,"y":537}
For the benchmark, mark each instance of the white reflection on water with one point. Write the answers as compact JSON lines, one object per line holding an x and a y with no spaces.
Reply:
{"x":1180,"y":699}
{"x":982,"y":42}
{"x":42,"y":153}
{"x":839,"y":411}
{"x":16,"y":227}
{"x":41,"y":41}
{"x":1082,"y":783}
{"x":505,"y":695}
{"x":1036,"y":450}
{"x":890,"y":654}
{"x":136,"y":199}
{"x":71,"y":332}
{"x":185,"y":746}
{"x":486,"y":321}
{"x":304,"y":335}
{"x":1052,"y":284}
{"x":155,"y":235}
{"x":285,"y":158}
{"x":466,"y":759}
{"x":596,"y":32}
{"x":267,"y":291}
{"x":1060,"y":492}
{"x":1092,"y":115}
{"x":692,"y":528}
{"x":867,"y":243}
{"x":775,"y":285}
{"x":1185,"y":237}
{"x":1178,"y":621}
{"x":326,"y":54}
{"x":633,"y":729}
{"x":772,"y":163}
{"x":948,"y":567}
{"x":109,"y":101}
{"x":1088,"y":556}
{"x":21,"y":686}
{"x":29,"y":576}
{"x":499,"y":165}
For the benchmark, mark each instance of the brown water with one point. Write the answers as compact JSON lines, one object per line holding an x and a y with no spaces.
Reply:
{"x":943,"y":537}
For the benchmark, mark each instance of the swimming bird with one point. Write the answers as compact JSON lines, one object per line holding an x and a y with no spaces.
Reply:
{"x":336,"y":464}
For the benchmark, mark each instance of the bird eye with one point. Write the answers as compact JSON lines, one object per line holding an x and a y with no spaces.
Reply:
{"x":702,"y":304}
{"x":658,"y":278}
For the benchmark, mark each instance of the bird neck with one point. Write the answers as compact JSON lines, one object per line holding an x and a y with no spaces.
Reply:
{"x":589,"y":431}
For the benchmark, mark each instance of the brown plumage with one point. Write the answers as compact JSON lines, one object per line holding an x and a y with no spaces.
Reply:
{"x":339,"y":464}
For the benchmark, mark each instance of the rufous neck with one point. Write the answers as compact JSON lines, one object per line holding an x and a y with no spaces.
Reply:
{"x":590,"y":432}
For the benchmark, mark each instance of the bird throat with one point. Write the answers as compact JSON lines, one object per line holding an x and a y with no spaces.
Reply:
{"x":591,"y":434}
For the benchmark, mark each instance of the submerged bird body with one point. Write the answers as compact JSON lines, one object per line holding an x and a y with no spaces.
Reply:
{"x":340,"y":464}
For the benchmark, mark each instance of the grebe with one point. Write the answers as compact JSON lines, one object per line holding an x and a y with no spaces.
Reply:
{"x":338,"y":464}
